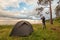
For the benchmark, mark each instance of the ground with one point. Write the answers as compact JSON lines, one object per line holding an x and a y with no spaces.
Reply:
{"x":52,"y":32}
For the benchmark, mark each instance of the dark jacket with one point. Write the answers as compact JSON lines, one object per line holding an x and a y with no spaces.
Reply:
{"x":43,"y":20}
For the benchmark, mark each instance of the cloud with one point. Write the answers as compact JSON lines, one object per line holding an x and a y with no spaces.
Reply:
{"x":14,"y":9}
{"x":5,"y":3}
{"x":17,"y":13}
{"x":15,"y":3}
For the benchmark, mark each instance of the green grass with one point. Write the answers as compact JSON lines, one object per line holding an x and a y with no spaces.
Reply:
{"x":38,"y":34}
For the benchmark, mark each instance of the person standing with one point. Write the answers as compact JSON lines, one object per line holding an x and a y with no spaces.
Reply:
{"x":43,"y":22}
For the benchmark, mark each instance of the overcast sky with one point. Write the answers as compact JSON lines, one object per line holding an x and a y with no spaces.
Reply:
{"x":21,"y":9}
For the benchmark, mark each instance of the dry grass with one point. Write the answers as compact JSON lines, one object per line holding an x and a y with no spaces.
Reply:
{"x":39,"y":34}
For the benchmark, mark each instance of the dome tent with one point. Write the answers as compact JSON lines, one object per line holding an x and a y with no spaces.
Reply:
{"x":22,"y":28}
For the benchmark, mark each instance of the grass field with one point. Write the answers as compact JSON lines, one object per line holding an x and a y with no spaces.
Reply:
{"x":52,"y":32}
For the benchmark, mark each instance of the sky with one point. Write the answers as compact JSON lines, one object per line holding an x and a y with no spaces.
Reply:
{"x":23,"y":9}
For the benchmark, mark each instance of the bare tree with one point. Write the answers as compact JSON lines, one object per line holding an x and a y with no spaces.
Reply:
{"x":39,"y":10}
{"x":47,"y":12}
{"x":48,"y":1}
{"x":51,"y":20}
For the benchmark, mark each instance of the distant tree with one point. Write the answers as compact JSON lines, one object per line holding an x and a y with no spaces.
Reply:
{"x":57,"y":9}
